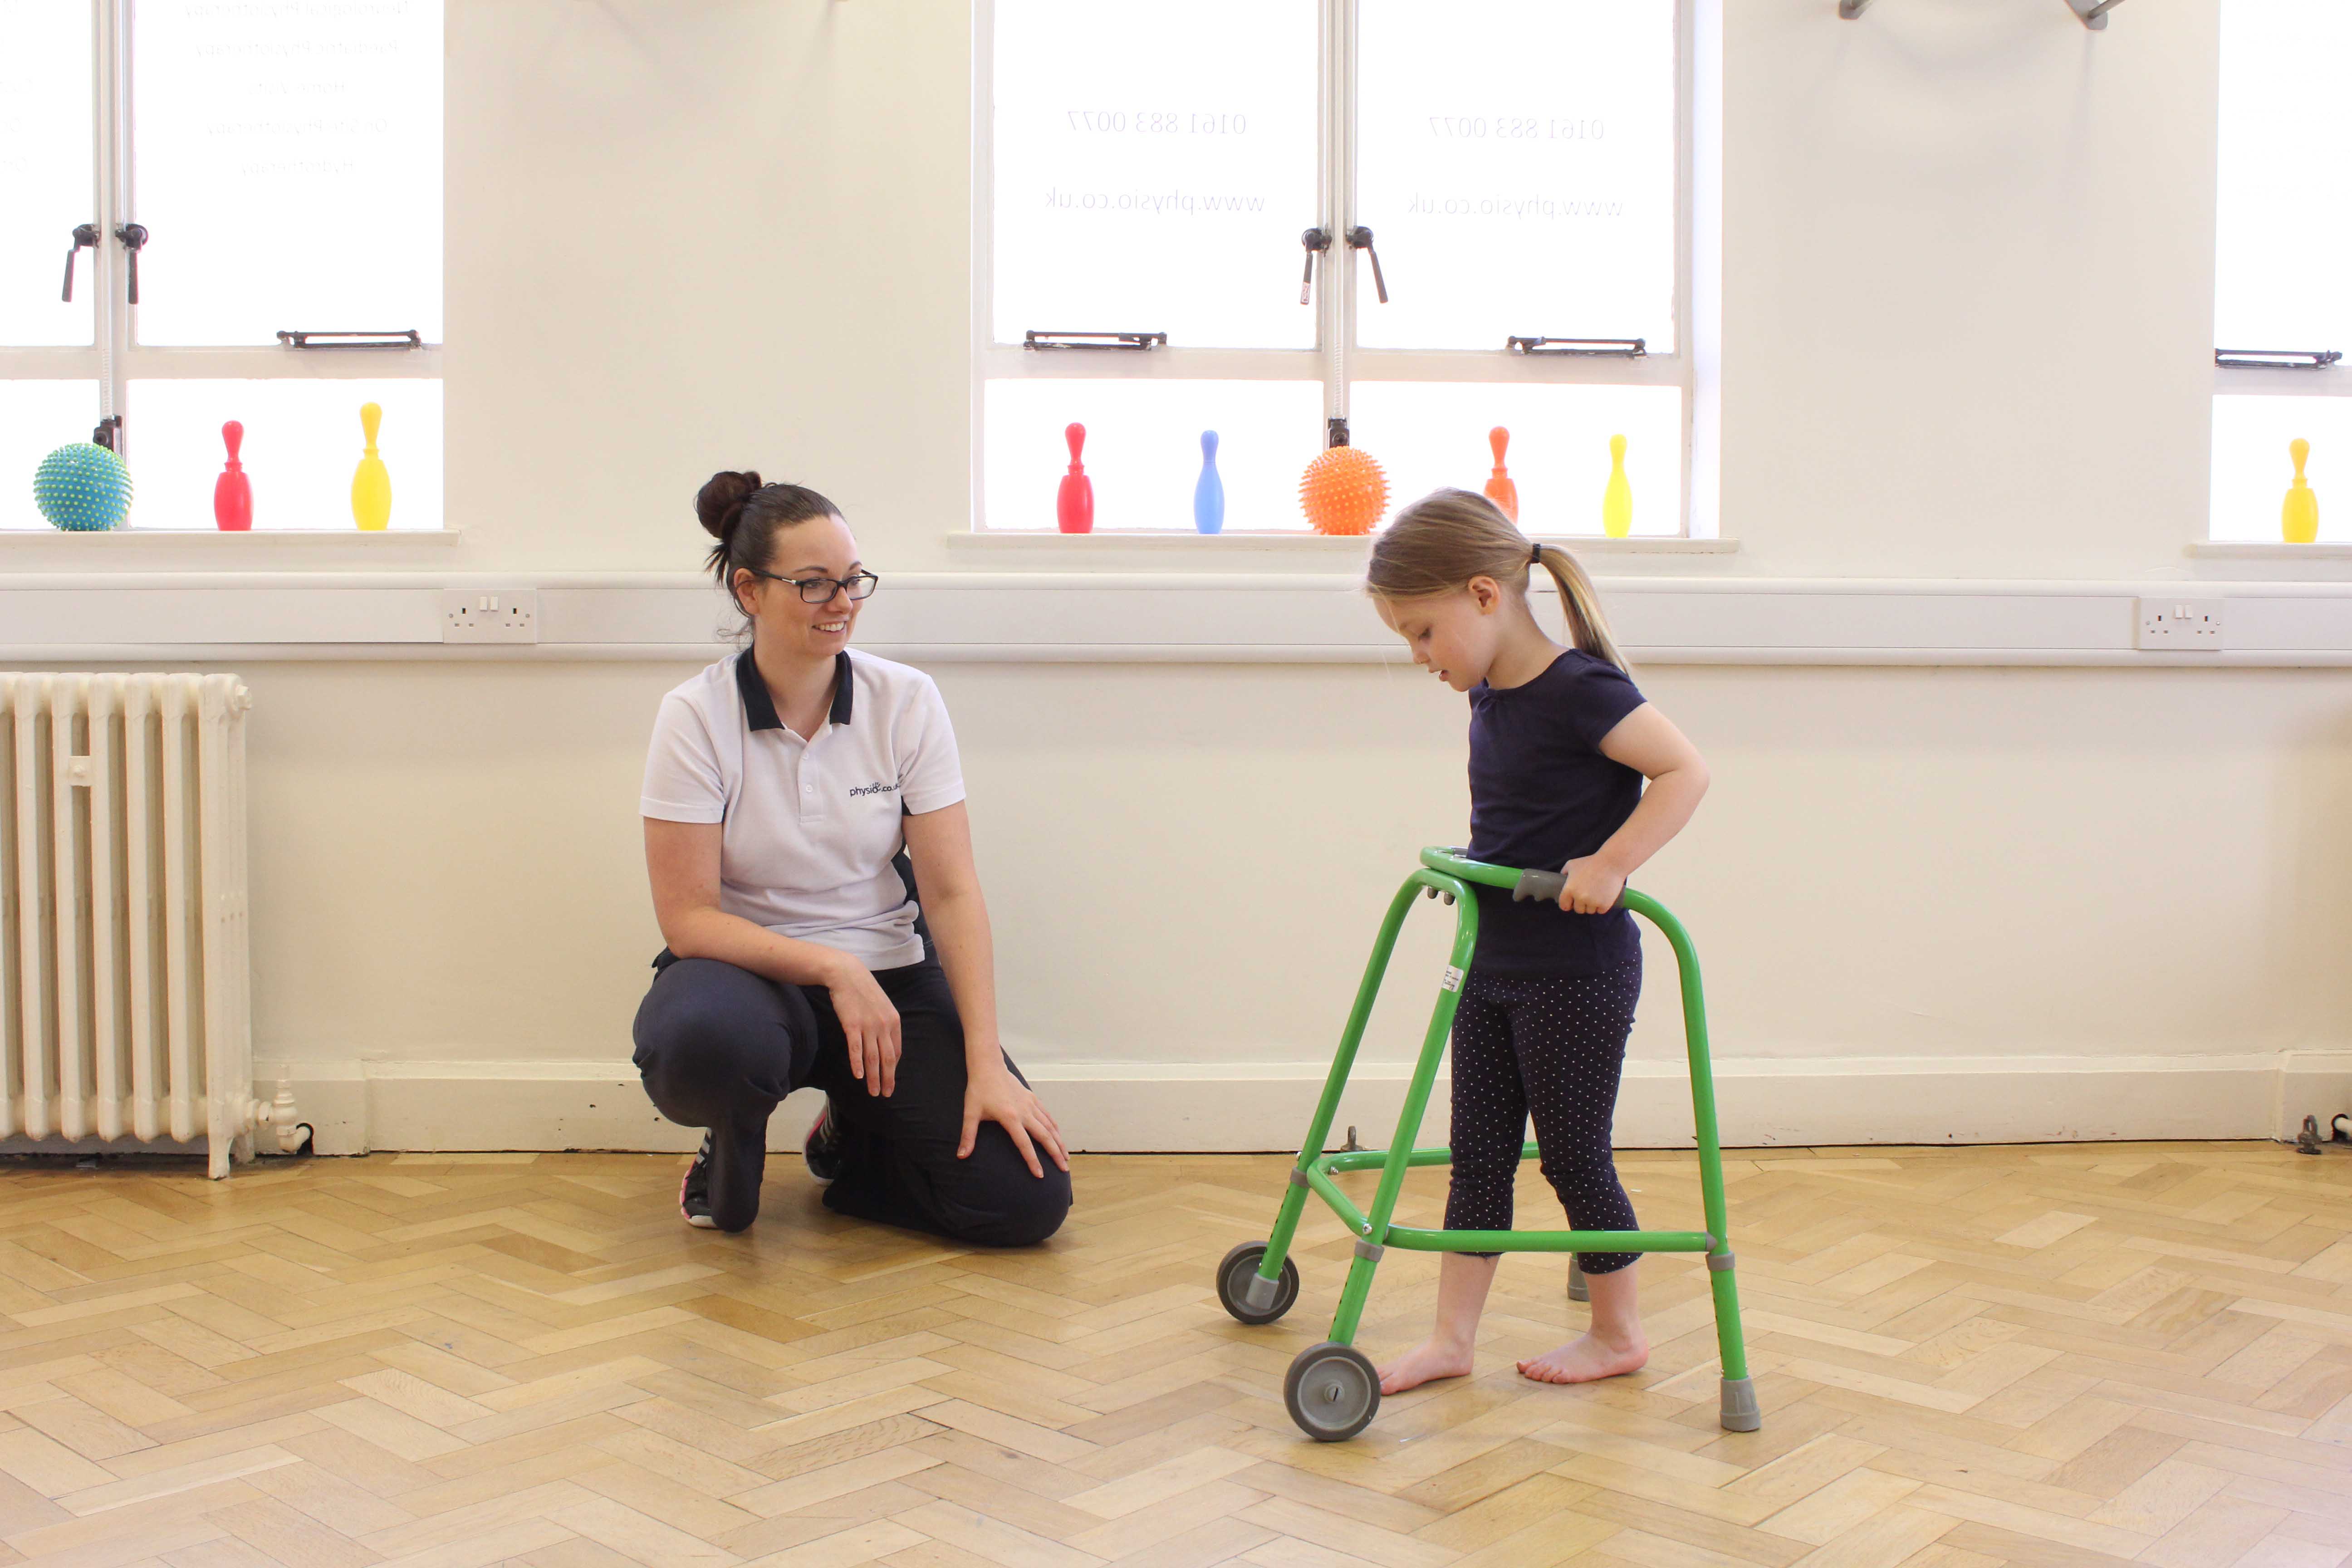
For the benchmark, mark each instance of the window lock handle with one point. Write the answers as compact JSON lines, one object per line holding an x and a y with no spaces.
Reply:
{"x":1361,"y":238}
{"x":84,"y":234}
{"x":1317,"y":241}
{"x":133,"y":237}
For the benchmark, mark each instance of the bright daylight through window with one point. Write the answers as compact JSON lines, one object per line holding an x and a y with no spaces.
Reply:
{"x":1190,"y":217}
{"x":2285,"y":191}
{"x":262,"y":245}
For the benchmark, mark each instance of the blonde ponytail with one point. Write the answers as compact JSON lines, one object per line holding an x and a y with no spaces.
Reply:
{"x":1441,"y":541}
{"x":1588,"y":623}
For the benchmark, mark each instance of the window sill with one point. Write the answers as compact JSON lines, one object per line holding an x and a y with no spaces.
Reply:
{"x":1309,"y":544}
{"x":2269,"y":549}
{"x":153,"y":539}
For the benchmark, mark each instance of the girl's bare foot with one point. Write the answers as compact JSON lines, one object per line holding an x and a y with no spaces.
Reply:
{"x":1426,"y":1362}
{"x":1589,"y":1359}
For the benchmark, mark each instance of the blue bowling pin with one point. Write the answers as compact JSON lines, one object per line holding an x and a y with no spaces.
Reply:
{"x":1209,"y":495}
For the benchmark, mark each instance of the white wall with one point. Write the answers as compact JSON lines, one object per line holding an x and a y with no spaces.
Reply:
{"x":1967,"y":291}
{"x":686,"y":237}
{"x":1967,"y":334}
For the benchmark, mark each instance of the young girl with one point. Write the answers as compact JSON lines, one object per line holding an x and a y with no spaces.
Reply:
{"x":1559,"y":744}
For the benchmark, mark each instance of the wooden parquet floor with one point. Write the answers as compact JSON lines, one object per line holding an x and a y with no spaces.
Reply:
{"x":2054,"y":1355}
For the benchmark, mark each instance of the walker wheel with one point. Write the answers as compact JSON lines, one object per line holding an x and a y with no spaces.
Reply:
{"x":1236,"y":1271}
{"x":1332,"y":1390}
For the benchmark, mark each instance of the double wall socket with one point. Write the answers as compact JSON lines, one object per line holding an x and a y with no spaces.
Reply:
{"x":489,"y":615}
{"x":2179,"y":625}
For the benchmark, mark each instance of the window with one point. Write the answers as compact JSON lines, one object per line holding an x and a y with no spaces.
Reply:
{"x":1150,"y":170}
{"x":214,"y":174}
{"x":2284,"y":207}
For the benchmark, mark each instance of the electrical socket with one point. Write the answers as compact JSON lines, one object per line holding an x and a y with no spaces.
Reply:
{"x":2179,"y":625}
{"x":489,"y":615}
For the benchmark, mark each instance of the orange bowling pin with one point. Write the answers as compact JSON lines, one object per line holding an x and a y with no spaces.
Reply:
{"x":1499,"y":488}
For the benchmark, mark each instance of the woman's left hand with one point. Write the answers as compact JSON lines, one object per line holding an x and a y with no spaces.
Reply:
{"x":1592,"y":888}
{"x":995,"y":1095}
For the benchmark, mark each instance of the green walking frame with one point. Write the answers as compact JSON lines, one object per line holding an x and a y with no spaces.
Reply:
{"x":1332,"y":1390}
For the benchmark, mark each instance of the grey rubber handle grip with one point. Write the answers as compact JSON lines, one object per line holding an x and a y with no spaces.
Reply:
{"x":1547,"y":886}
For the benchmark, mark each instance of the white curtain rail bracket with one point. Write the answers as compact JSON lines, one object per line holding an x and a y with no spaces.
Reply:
{"x":2092,"y":14}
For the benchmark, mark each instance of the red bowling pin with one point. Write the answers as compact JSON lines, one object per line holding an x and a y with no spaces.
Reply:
{"x":1074,"y":507}
{"x":233,"y":492}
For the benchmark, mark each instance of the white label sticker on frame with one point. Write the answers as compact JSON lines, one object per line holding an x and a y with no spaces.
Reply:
{"x":1452,"y":980}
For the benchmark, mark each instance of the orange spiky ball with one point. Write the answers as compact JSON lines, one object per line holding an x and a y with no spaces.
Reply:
{"x":1343,"y":491}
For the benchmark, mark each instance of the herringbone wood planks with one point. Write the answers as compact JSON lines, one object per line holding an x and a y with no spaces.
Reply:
{"x":2063,"y":1355}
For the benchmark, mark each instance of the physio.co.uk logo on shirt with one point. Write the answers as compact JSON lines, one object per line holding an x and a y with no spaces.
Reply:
{"x":877,"y":788}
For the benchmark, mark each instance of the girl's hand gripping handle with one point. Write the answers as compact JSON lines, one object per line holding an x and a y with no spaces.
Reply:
{"x":1551,"y":887}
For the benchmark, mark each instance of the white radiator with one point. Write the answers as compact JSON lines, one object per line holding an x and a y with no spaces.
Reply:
{"x":123,"y":939}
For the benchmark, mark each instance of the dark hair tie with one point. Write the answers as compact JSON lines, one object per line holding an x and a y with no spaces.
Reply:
{"x":1535,"y":556}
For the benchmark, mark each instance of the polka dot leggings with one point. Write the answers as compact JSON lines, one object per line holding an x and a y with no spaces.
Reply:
{"x":1553,"y":1045}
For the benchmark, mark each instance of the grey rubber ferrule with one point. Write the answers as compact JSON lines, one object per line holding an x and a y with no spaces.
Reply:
{"x":1720,"y":1262}
{"x":1260,"y":1292}
{"x":1740,"y":1411}
{"x":1365,"y":1249}
{"x":1299,"y":1178}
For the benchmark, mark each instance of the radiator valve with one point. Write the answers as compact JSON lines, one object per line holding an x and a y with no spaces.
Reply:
{"x":279,"y":1115}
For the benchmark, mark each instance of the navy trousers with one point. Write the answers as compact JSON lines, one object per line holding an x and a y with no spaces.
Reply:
{"x":721,"y":1047}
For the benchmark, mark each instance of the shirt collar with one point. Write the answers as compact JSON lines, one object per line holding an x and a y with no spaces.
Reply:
{"x":760,"y":708}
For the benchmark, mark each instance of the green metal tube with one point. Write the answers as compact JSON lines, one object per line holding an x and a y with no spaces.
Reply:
{"x":1341,"y":1205}
{"x":1413,"y":1239}
{"x":1445,"y":871}
{"x":1352,"y":1296}
{"x":1416,"y":1094}
{"x":1730,"y":1343}
{"x":1702,"y":1070}
{"x":1469,"y":870}
{"x":1285,"y":1228}
{"x":1335,"y":1082}
{"x":1369,"y":1159}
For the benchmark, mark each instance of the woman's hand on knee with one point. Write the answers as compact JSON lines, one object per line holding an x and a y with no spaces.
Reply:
{"x":870,"y":1024}
{"x":997,"y":1096}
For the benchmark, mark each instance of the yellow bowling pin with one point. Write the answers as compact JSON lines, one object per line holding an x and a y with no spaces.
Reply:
{"x":1617,"y":500}
{"x":371,"y":483}
{"x":2299,"y":518}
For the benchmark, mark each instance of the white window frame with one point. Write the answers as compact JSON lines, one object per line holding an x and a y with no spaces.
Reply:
{"x":115,"y":357}
{"x":2281,"y":381}
{"x":1341,"y":283}
{"x":2266,"y":381}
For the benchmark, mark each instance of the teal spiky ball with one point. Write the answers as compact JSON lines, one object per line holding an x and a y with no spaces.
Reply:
{"x":83,"y":488}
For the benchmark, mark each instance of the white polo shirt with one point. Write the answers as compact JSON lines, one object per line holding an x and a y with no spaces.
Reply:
{"x":811,"y":826}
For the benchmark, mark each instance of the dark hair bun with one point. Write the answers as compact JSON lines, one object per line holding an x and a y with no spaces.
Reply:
{"x":720,"y":503}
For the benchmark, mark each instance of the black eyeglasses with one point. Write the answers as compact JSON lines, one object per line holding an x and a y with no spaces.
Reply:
{"x":818,"y":590}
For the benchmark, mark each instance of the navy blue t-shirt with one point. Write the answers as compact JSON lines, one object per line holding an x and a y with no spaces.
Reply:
{"x":1541,"y":794}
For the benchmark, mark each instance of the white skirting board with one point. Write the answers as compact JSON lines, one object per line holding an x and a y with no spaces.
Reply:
{"x":355,"y":1108}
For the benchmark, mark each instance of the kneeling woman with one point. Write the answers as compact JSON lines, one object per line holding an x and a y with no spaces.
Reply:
{"x":785,"y":790}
